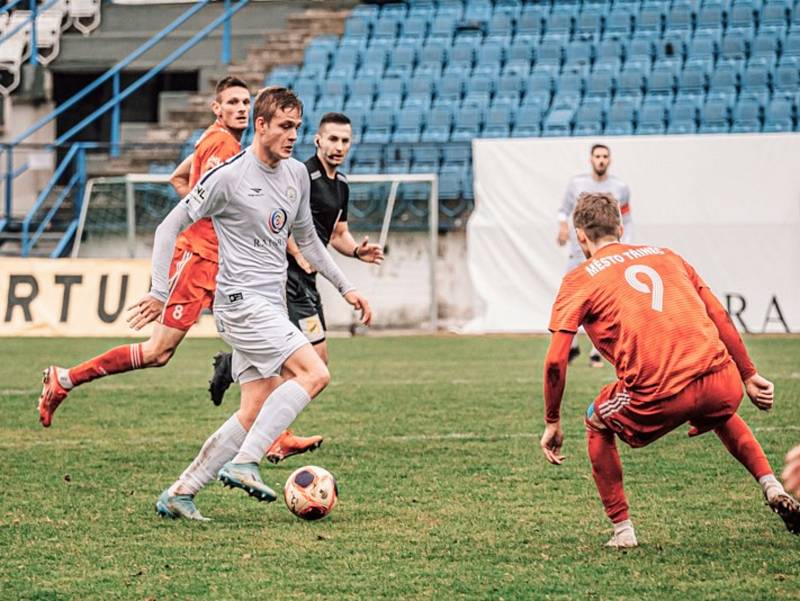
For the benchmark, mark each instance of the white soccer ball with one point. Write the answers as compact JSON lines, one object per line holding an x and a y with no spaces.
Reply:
{"x":310,"y":492}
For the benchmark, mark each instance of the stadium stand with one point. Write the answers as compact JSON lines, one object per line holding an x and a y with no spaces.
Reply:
{"x":439,"y":72}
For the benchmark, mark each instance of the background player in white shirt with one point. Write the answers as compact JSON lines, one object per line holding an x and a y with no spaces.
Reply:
{"x":254,"y":199}
{"x":598,"y":181}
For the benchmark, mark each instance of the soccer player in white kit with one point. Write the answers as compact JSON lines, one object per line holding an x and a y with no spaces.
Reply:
{"x":598,"y":181}
{"x":254,"y":199}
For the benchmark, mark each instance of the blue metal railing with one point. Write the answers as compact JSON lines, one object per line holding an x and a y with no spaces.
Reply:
{"x":76,"y":153}
{"x":119,"y":95}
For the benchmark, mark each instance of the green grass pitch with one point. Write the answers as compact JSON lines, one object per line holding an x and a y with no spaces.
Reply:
{"x":444,"y":492}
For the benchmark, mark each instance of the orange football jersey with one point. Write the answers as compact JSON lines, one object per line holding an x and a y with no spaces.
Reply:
{"x":641,"y":308}
{"x":214,"y":147}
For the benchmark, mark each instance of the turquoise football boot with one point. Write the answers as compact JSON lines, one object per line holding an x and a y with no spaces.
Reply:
{"x":246,"y":477}
{"x":178,"y":506}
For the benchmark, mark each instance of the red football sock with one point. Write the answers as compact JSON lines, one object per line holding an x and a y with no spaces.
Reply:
{"x":740,"y":442}
{"x":118,"y":359}
{"x":607,"y":472}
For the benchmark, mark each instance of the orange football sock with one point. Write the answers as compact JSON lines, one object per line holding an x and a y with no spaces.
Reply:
{"x":740,"y":442}
{"x":607,"y":472}
{"x":117,"y":360}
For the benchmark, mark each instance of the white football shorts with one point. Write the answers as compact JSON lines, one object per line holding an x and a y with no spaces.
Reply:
{"x":261,"y":335}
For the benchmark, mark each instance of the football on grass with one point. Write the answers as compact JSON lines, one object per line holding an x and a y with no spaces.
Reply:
{"x":310,"y":492}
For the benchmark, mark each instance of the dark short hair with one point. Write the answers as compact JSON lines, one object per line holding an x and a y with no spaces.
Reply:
{"x":596,"y":146}
{"x":229,"y":82}
{"x":340,"y":118}
{"x":597,"y":214}
{"x":272,"y":98}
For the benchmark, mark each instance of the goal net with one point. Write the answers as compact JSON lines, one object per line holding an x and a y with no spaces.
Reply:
{"x":398,"y":211}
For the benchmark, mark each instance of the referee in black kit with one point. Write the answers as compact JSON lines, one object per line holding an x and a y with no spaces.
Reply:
{"x":330,"y":193}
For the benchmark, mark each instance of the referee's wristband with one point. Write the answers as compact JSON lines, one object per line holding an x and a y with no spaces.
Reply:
{"x":355,"y":252}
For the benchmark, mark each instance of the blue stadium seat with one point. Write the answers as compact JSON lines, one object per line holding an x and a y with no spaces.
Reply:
{"x":589,"y":119}
{"x":528,"y":122}
{"x":426,"y":157}
{"x":756,"y":82}
{"x":402,"y":60}
{"x":680,"y":17}
{"x":449,"y":90}
{"x":683,"y":118}
{"x":703,"y":47}
{"x":672,"y":45}
{"x":334,"y":87}
{"x":538,"y":89}
{"x":422,"y":8}
{"x":357,"y":121}
{"x":609,"y":53}
{"x":375,"y":57}
{"x":661,"y":83}
{"x":531,"y":24}
{"x":779,"y":115}
{"x":501,"y":24}
{"x":693,"y":79}
{"x":438,"y":125}
{"x":578,"y":55}
{"x":357,"y":27}
{"x":569,"y":88}
{"x":391,"y":91}
{"x":434,"y":52}
{"x":765,"y":47}
{"x":711,"y":17}
{"x":775,"y":15}
{"x":479,"y":91}
{"x":742,"y":18}
{"x":450,"y":184}
{"x":620,"y":21}
{"x":589,"y":22}
{"x":478,"y":10}
{"x":462,"y":54}
{"x":378,"y":127}
{"x":734,"y":46}
{"x":650,"y":19}
{"x":366,"y":159}
{"x":621,"y":117}
{"x":509,"y":89}
{"x":510,"y":7}
{"x":520,"y":55}
{"x":442,"y":28}
{"x":652,"y":117}
{"x":414,"y":28}
{"x":786,"y":80}
{"x":457,"y":154}
{"x":560,"y":25}
{"x":791,"y":44}
{"x":307,"y":90}
{"x":747,"y":116}
{"x":549,"y":55}
{"x":498,"y":122}
{"x":631,"y":82}
{"x":640,"y":49}
{"x":369,"y":12}
{"x":467,"y":124}
{"x":282,"y":75}
{"x":385,"y":28}
{"x":601,"y":84}
{"x":450,"y":7}
{"x":491,"y":53}
{"x":725,"y":77}
{"x":715,"y":117}
{"x":395,"y":10}
{"x":409,"y":125}
{"x":420,"y":91}
{"x":559,"y":122}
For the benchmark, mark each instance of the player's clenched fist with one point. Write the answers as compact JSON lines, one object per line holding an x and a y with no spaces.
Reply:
{"x":147,"y":309}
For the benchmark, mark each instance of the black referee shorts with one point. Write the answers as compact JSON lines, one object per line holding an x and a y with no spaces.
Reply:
{"x":304,"y":305}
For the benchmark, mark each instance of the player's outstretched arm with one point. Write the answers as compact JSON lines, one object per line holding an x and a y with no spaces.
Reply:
{"x":343,"y":241}
{"x":791,"y":473}
{"x":555,"y":379}
{"x":150,"y":306}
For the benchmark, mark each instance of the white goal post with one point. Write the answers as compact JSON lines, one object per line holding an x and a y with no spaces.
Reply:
{"x":130,"y":207}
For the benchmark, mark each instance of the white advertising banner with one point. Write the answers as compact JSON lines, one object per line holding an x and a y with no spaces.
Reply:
{"x":730,"y":204}
{"x":75,"y":297}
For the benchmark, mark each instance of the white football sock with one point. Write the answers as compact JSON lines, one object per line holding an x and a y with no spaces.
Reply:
{"x":279,"y":411}
{"x":218,"y":450}
{"x":770,"y":486}
{"x":63,"y":378}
